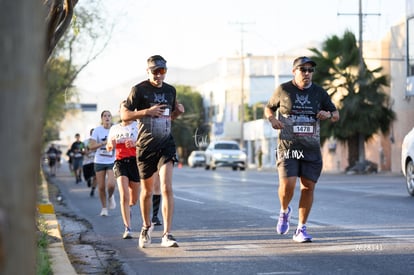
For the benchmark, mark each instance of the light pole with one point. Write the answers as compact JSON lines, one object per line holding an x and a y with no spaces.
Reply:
{"x":242,"y":90}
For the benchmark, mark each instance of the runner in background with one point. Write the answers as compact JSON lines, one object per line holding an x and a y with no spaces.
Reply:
{"x":88,"y":166}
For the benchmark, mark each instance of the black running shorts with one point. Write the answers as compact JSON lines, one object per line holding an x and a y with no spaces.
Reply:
{"x":88,"y":171}
{"x":150,"y":162}
{"x":299,"y":164}
{"x":127,"y":167}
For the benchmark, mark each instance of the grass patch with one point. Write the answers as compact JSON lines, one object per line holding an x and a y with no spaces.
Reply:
{"x":43,"y":264}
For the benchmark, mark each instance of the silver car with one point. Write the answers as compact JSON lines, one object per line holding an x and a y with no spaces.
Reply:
{"x":407,"y":159}
{"x":225,"y":153}
{"x":196,"y":158}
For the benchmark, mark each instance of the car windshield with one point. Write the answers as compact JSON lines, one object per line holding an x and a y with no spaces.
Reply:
{"x":226,"y":146}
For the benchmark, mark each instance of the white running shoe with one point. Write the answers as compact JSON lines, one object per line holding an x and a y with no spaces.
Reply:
{"x":127,"y":234}
{"x":168,"y":241}
{"x":301,"y":236}
{"x":145,"y":236}
{"x":104,"y":212}
{"x":111,"y":202}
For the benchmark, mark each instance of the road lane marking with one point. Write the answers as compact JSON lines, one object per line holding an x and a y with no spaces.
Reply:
{"x":184,"y":199}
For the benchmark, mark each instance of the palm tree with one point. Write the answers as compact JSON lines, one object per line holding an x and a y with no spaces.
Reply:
{"x":363,"y":105}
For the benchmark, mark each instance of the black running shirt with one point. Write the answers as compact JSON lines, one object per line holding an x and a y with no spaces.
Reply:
{"x":153,"y":132}
{"x":297,"y":110}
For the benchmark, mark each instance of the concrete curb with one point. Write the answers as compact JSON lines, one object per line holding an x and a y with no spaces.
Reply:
{"x":59,"y":259}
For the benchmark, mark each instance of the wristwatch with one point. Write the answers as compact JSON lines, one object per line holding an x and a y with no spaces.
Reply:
{"x":330,"y":115}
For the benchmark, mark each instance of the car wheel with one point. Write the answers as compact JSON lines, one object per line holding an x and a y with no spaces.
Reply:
{"x":242,"y":168}
{"x":409,"y":171}
{"x":234,"y":168}
{"x":207,"y":167}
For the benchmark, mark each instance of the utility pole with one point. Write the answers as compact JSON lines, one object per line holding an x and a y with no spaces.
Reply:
{"x":360,"y":15}
{"x":242,"y":72}
{"x":361,"y":68}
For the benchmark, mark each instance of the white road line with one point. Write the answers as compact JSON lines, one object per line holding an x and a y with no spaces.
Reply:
{"x":184,"y":199}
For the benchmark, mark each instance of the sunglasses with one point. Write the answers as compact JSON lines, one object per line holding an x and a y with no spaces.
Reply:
{"x":159,"y":71}
{"x":304,"y":70}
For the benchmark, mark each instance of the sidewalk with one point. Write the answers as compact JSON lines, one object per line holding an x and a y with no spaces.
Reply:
{"x":59,"y":259}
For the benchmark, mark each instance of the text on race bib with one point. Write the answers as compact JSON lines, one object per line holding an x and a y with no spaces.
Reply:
{"x":303,"y":129}
{"x":105,"y":153}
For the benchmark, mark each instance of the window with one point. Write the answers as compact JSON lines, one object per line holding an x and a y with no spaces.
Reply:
{"x":227,"y":146}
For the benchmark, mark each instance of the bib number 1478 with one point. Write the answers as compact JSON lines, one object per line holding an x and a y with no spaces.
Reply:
{"x":303,"y":129}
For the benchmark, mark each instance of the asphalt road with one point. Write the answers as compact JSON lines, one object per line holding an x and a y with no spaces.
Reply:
{"x":225,"y":222}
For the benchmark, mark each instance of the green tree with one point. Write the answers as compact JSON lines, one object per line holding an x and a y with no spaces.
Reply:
{"x":363,"y":105}
{"x":58,"y":86}
{"x":185,"y":126}
{"x":77,"y":48}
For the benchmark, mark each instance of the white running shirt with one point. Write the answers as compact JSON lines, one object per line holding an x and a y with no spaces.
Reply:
{"x":102,"y":156}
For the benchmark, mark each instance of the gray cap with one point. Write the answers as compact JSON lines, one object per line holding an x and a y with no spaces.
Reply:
{"x":156,"y":62}
{"x":303,"y":60}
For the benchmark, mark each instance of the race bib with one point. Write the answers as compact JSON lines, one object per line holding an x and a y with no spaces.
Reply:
{"x":103,"y":152}
{"x":166,"y":112}
{"x":303,"y":128}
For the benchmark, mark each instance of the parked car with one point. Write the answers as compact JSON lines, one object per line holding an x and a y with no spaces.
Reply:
{"x":225,"y":153}
{"x":196,"y":158}
{"x":407,"y":159}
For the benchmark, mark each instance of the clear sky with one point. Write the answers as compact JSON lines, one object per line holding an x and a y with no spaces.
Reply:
{"x":191,"y":34}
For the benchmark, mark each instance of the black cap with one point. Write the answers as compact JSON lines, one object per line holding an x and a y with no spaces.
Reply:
{"x":303,"y":60}
{"x":156,"y":62}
